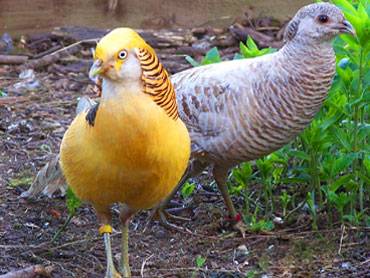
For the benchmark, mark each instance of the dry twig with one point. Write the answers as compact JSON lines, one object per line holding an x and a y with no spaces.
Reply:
{"x":29,"y":272}
{"x":13,"y":59}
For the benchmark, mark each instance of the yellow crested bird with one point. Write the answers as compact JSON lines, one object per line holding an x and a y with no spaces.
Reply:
{"x":132,"y":147}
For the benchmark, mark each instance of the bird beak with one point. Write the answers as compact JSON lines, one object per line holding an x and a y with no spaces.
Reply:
{"x":348,"y":28}
{"x":96,"y":68}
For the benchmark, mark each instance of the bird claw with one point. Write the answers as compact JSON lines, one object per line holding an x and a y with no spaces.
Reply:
{"x":240,"y":227}
{"x":114,"y":274}
{"x":163,"y":216}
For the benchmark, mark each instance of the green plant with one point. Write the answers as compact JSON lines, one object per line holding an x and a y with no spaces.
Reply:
{"x":251,"y":273}
{"x":45,"y":148}
{"x":72,"y":203}
{"x":328,"y":166}
{"x":212,"y":56}
{"x":251,"y":50}
{"x":187,"y":190}
{"x":353,"y":68}
{"x":200,"y":262}
{"x":242,"y":175}
{"x":311,"y":205}
{"x":285,"y":198}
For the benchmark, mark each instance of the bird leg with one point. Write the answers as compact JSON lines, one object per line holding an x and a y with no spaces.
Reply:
{"x":194,"y":168}
{"x":111,"y":270}
{"x":105,"y":229}
{"x":159,"y":211}
{"x":220,"y":176}
{"x":125,"y":217}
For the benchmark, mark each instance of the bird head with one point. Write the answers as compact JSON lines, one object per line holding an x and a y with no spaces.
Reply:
{"x":116,"y":58}
{"x":320,"y":22}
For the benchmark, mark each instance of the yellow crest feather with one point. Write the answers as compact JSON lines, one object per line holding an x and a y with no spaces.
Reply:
{"x":119,"y":39}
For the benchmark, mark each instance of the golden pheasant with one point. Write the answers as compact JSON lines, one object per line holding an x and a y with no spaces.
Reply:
{"x":130,"y":148}
{"x":241,"y":110}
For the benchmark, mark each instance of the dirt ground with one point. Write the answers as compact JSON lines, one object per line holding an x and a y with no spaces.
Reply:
{"x":33,"y":119}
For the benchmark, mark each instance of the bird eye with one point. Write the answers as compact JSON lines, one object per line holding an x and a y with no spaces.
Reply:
{"x":122,"y":55}
{"x":323,"y":18}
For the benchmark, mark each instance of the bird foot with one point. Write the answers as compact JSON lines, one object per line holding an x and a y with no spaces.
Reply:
{"x":240,"y":227}
{"x":114,"y":274}
{"x":124,"y":272}
{"x":163,"y":216}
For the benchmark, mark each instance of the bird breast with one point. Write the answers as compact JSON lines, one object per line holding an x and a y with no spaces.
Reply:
{"x":127,"y":156}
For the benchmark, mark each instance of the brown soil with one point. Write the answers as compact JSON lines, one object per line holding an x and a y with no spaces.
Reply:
{"x":32,"y":123}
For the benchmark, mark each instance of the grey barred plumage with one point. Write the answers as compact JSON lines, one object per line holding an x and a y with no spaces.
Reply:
{"x":241,"y":110}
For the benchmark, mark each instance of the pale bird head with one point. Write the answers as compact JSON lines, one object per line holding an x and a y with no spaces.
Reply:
{"x":320,"y":22}
{"x":115,"y":56}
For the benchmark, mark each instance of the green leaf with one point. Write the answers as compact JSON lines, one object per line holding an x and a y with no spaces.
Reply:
{"x":341,"y":181}
{"x":265,"y":166}
{"x":247,"y":169}
{"x":366,"y":163}
{"x":363,"y":132}
{"x":363,"y":177}
{"x":346,"y":5}
{"x":246,"y":53}
{"x":341,"y":137}
{"x":262,"y":225}
{"x":212,"y":56}
{"x":237,"y":56}
{"x":294,"y":180}
{"x":333,"y":197}
{"x":251,"y":44}
{"x":191,"y":61}
{"x":277,"y":173}
{"x":341,"y":163}
{"x":354,"y":84}
{"x":366,"y":78}
{"x":362,"y":13}
{"x":300,"y":154}
{"x":328,"y":122}
{"x":200,"y":261}
{"x":285,"y":198}
{"x":187,"y":190}
{"x":72,"y":201}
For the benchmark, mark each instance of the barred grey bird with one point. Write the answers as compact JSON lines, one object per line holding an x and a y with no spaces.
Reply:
{"x":241,"y":110}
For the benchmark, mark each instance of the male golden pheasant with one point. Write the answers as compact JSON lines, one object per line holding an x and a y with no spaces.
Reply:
{"x":132,"y":147}
{"x":241,"y":110}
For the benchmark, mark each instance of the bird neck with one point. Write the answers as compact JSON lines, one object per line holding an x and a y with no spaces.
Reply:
{"x":316,"y":51}
{"x":306,"y":72}
{"x":156,"y":82}
{"x":112,"y":90}
{"x":309,"y":68}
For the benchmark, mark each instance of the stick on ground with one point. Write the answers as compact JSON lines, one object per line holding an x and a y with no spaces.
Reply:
{"x":30,"y":272}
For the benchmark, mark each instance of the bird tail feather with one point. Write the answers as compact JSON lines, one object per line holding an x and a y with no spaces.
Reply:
{"x":50,"y":178}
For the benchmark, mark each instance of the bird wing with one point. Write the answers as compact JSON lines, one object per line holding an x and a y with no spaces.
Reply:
{"x":206,"y":97}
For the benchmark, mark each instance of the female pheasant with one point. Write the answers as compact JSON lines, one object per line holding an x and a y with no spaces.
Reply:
{"x":241,"y":110}
{"x":132,"y":147}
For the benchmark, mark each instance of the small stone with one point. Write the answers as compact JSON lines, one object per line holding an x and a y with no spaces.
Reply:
{"x":345,"y":265}
{"x":160,"y":234}
{"x":243,"y":249}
